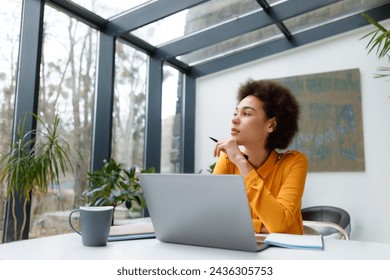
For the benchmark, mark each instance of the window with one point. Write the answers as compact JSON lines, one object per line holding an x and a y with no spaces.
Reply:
{"x":128,"y":131}
{"x":108,"y":9}
{"x":171,"y":120}
{"x":203,"y":16}
{"x":129,"y":106}
{"x":10,"y":14}
{"x":67,"y":82}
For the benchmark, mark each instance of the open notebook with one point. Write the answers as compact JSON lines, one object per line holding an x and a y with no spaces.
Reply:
{"x":295,"y":241}
{"x":138,"y":229}
{"x":203,"y":210}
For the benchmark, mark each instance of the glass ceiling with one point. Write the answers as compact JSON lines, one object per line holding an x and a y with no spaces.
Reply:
{"x":330,"y":13}
{"x":107,"y":9}
{"x":201,"y":17}
{"x":207,"y":36}
{"x":302,"y":22}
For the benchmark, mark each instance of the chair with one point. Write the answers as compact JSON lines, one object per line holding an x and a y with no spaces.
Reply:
{"x":329,"y":221}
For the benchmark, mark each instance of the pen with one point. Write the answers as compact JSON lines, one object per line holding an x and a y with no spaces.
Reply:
{"x":215,"y":140}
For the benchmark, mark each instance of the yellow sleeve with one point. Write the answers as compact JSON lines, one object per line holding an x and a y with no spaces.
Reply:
{"x":225,"y":166}
{"x":277,"y":205}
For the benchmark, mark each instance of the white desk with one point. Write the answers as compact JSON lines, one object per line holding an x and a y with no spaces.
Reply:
{"x":69,"y":247}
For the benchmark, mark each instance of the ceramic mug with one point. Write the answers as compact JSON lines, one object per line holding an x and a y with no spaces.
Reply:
{"x":95,"y":223}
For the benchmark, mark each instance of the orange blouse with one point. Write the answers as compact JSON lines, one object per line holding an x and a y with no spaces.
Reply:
{"x":274,"y":190}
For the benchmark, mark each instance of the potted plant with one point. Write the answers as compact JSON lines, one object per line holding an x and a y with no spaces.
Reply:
{"x":36,"y":160}
{"x":114,"y":185}
{"x":380,"y":40}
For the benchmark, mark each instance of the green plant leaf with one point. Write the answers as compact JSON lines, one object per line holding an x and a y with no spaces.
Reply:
{"x":115,"y":185}
{"x":379,"y":41}
{"x":36,"y":159}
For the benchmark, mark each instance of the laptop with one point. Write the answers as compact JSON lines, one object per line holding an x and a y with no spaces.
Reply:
{"x":202,"y":210}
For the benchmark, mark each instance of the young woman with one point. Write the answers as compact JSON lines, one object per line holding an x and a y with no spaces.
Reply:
{"x":266,"y":119}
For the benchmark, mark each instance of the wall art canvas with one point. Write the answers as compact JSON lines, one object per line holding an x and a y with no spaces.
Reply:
{"x":331,"y":130}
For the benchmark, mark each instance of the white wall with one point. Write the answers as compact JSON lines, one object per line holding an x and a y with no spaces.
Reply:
{"x":365,"y":195}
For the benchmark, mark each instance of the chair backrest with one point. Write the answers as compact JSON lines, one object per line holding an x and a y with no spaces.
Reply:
{"x":328,"y":221}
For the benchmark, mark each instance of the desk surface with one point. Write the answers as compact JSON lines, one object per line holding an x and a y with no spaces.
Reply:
{"x":69,"y":247}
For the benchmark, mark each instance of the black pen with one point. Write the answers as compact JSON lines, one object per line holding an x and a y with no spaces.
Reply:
{"x":215,"y":140}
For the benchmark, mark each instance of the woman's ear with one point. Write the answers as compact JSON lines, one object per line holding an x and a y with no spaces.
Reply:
{"x":272,"y":124}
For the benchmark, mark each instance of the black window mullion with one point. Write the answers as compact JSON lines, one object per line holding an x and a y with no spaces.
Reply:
{"x":188,"y":122}
{"x":104,"y":99}
{"x":153,"y":114}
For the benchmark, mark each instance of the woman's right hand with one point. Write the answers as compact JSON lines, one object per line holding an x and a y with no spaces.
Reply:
{"x":231,"y":149}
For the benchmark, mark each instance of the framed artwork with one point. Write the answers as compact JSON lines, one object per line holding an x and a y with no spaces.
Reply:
{"x":331,"y":131}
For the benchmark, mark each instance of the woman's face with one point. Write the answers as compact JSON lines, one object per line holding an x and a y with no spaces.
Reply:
{"x":250,"y":125}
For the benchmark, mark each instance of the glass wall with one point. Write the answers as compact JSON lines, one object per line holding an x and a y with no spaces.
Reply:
{"x":129,"y":106}
{"x":67,"y":86}
{"x":171,"y":120}
{"x":128,"y":130}
{"x":67,"y":82}
{"x":10,"y":14}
